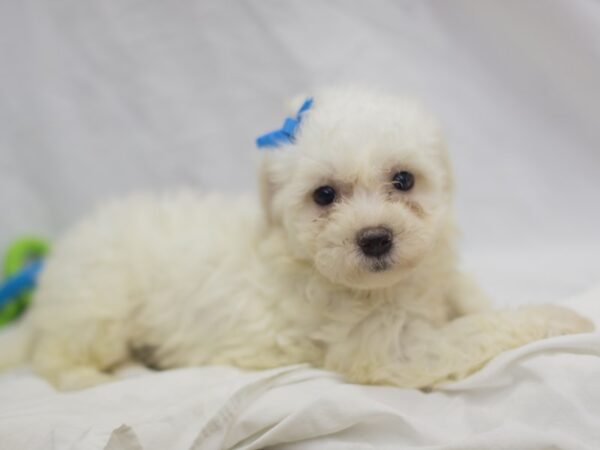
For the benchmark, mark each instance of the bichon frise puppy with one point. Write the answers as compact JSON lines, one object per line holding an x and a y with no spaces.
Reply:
{"x":348,"y":264}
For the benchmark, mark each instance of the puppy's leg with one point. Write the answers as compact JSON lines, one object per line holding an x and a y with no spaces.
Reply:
{"x":428,"y":356}
{"x":466,"y":344}
{"x":79,"y":359}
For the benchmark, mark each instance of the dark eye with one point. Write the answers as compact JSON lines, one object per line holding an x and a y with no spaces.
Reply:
{"x":325,"y":195}
{"x":403,"y":181}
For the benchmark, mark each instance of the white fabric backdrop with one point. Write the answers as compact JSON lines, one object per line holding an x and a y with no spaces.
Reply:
{"x":101,"y":98}
{"x":98,"y":98}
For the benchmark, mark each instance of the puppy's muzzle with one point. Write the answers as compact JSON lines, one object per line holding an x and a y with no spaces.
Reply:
{"x":375,"y":241}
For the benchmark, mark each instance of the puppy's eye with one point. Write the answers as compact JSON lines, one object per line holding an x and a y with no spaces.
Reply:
{"x":403,"y":181}
{"x":325,"y":195}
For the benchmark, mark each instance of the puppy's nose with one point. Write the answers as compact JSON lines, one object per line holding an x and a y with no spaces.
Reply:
{"x":375,"y":241}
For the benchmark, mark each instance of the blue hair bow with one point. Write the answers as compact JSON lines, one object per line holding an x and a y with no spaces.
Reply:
{"x":286,"y":134}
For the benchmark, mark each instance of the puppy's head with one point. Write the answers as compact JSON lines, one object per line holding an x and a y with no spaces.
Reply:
{"x":364,"y":190}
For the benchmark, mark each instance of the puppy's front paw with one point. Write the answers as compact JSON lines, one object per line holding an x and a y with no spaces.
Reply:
{"x":559,"y":320}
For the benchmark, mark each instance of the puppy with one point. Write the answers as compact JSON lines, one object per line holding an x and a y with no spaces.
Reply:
{"x":347,"y":262}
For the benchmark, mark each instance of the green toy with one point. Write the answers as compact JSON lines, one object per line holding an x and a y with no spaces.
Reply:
{"x":22,"y":264}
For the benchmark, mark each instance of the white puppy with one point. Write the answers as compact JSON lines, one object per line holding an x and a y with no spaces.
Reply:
{"x":348,"y":265}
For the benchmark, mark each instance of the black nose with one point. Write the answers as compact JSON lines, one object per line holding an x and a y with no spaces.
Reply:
{"x":375,"y":241}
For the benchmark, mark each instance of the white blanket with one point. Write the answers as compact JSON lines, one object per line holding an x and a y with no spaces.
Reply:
{"x":541,"y":396}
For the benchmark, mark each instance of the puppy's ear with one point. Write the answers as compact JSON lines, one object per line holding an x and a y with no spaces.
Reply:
{"x":270,"y":160}
{"x":447,"y":165}
{"x":266,"y":187}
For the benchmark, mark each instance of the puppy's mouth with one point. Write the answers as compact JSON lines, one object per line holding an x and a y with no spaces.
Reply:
{"x":376,"y":264}
{"x":379,"y":264}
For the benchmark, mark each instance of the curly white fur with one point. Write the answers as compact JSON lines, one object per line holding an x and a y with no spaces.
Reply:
{"x":187,"y":279}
